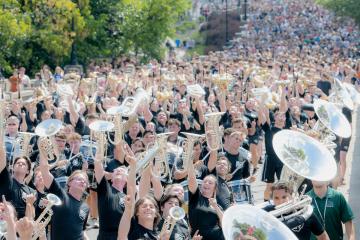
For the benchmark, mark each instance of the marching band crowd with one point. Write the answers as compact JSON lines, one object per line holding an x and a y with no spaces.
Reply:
{"x":160,"y":151}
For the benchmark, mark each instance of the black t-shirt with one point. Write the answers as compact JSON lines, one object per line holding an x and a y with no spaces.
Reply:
{"x":180,"y":232}
{"x":203,"y":218}
{"x":14,"y":192}
{"x":269,"y":134}
{"x":111,"y":208}
{"x":69,"y":219}
{"x":325,"y":86}
{"x":223,"y":194}
{"x":139,"y":232}
{"x":238,"y":162}
{"x":300,"y":227}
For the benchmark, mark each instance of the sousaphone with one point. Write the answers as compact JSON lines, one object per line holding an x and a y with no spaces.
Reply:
{"x":249,"y":222}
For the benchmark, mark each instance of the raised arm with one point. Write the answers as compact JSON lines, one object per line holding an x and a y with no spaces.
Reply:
{"x":192,"y":178}
{"x":125,"y":222}
{"x":74,"y":116}
{"x":45,"y":170}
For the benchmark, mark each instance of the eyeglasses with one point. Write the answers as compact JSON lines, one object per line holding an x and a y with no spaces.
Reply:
{"x":11,"y":124}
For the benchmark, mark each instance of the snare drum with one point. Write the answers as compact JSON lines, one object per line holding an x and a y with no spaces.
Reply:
{"x":241,"y":191}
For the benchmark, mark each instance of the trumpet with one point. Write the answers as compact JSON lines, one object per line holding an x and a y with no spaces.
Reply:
{"x":45,"y":216}
{"x":175,"y":214}
{"x":188,"y":146}
{"x":212,"y":130}
{"x":46,"y":130}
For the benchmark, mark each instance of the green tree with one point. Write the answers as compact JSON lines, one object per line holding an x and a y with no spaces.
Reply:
{"x":14,"y":30}
{"x":350,"y":8}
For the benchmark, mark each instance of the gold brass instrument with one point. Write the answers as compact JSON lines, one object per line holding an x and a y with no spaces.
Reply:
{"x":188,"y":146}
{"x":222,"y":81}
{"x":175,"y":214}
{"x":23,"y":143}
{"x":237,"y":220}
{"x":212,"y":130}
{"x":131,"y":104}
{"x":100,"y":130}
{"x":46,"y":131}
{"x":45,"y":216}
{"x":118,"y":125}
{"x":161,"y":164}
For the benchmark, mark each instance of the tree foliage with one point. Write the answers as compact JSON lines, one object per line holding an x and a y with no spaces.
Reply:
{"x":350,"y":8}
{"x":34,"y":32}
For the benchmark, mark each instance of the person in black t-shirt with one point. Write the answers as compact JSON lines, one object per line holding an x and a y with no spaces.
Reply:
{"x":69,"y":218}
{"x":181,"y":229}
{"x":301,"y":227}
{"x":203,"y":205}
{"x":13,"y":187}
{"x":140,"y":221}
{"x":111,"y":198}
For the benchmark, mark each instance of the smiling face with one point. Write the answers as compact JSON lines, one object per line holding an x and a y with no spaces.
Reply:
{"x":78,"y":181}
{"x":146,"y":210}
{"x":222,"y":166}
{"x":21,"y":167}
{"x":208,"y":186}
{"x":119,"y":175}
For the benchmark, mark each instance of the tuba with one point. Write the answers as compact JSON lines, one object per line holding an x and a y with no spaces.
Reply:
{"x":212,"y":130}
{"x":45,"y":216}
{"x":331,"y":122}
{"x":188,"y":146}
{"x":303,"y":157}
{"x":341,"y":96}
{"x":175,"y":214}
{"x":46,"y":131}
{"x":100,"y":131}
{"x":249,"y":222}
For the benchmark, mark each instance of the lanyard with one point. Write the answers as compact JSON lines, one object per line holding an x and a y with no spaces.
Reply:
{"x":317,"y":207}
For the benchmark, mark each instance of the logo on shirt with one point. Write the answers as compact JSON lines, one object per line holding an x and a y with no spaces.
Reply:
{"x":82,"y":214}
{"x":298,"y":228}
{"x":330,"y":204}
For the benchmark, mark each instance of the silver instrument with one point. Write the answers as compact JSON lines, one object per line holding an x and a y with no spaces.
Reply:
{"x":303,"y":157}
{"x":239,"y":219}
{"x":195,"y":90}
{"x":299,"y":206}
{"x":144,"y":161}
{"x":354,"y":94}
{"x":212,"y":130}
{"x":188,"y":147}
{"x":23,"y":143}
{"x":130,"y":104}
{"x":161,"y":165}
{"x":341,"y":96}
{"x":100,"y":131}
{"x":175,"y":214}
{"x":46,"y":131}
{"x":332,"y":118}
{"x":118,"y":125}
{"x":45,"y":216}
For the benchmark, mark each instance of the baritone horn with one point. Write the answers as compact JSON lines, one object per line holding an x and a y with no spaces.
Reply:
{"x":118,"y":125}
{"x":100,"y":131}
{"x":175,"y":214}
{"x":45,"y":216}
{"x":212,"y":130}
{"x":161,"y":165}
{"x":131,"y":104}
{"x":46,"y":130}
{"x":188,"y":146}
